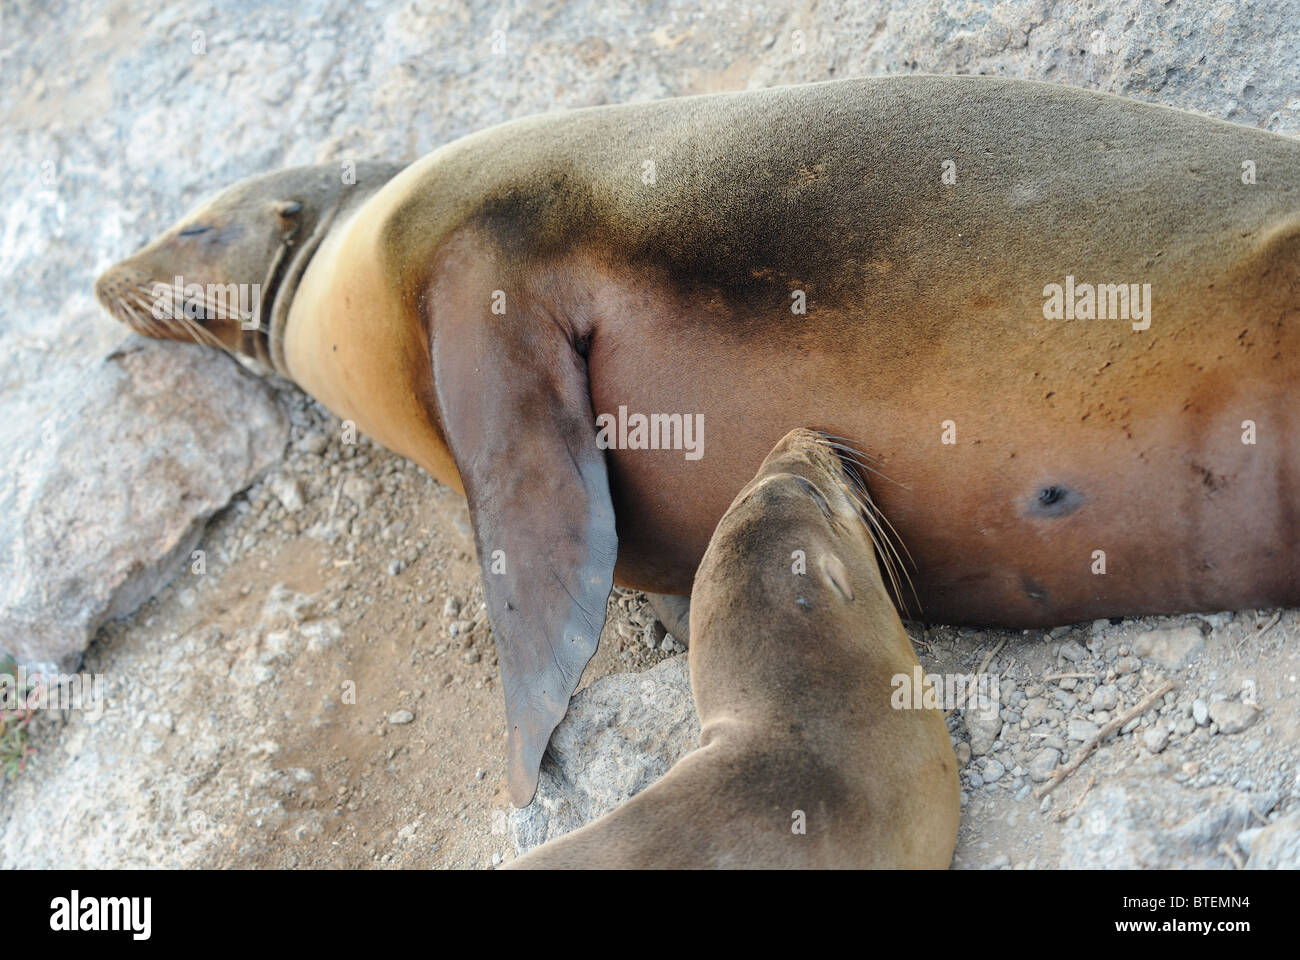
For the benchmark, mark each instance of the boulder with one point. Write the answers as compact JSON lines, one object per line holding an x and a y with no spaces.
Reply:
{"x":113,"y":468}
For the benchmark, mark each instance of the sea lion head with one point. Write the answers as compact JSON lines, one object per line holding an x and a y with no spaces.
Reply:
{"x":816,"y":482}
{"x":225,"y":273}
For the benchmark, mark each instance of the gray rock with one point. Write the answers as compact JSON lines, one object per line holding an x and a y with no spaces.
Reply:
{"x":288,"y":490}
{"x":112,"y":473}
{"x":621,"y":734}
{"x":315,"y":441}
{"x":1200,"y":712}
{"x":1073,"y":651}
{"x":401,"y":717}
{"x":1155,"y":739}
{"x":1081,"y":730}
{"x":1041,"y":710}
{"x":1233,"y":716}
{"x":1171,"y":648}
{"x":321,"y":634}
{"x":286,"y":606}
{"x":983,"y":724}
{"x":993,"y":771}
{"x":1277,"y":846}
{"x":1041,"y":767}
{"x":1139,"y":819}
{"x":360,"y":490}
{"x":1105,"y":697}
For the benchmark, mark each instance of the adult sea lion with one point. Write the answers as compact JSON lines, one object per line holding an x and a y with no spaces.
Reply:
{"x":803,"y":761}
{"x":483,"y":307}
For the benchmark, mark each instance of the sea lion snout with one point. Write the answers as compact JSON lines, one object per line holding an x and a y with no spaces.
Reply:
{"x":825,"y":473}
{"x":804,"y":464}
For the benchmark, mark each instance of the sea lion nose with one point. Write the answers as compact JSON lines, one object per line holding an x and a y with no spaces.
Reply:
{"x":104,"y":284}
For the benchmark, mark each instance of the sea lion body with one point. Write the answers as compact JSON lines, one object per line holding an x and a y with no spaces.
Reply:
{"x":490,"y":303}
{"x":924,"y":306}
{"x":804,"y":761}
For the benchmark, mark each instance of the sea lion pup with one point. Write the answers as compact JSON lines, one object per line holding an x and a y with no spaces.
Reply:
{"x":1065,"y":325}
{"x":793,"y":674}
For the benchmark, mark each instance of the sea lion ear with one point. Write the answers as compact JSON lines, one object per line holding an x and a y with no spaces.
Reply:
{"x":516,"y":409}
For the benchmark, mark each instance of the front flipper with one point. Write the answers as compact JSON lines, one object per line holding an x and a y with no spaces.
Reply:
{"x":516,"y":409}
{"x":674,"y":612}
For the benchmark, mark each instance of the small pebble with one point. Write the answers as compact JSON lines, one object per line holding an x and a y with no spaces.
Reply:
{"x":1155,"y":739}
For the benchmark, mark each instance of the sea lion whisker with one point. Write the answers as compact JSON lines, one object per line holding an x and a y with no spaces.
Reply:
{"x":201,"y":334}
{"x":127,"y":314}
{"x":854,"y":454}
{"x":857,"y":455}
{"x":862,"y":487}
{"x":876,"y":520}
{"x":865,"y":494}
{"x":198,"y":333}
{"x":851,"y":442}
{"x":888,"y":551}
{"x":139,"y":313}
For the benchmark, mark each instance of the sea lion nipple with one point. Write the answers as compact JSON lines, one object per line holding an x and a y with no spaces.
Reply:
{"x":1054,"y":500}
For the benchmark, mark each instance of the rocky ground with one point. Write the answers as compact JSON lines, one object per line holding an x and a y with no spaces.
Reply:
{"x":324,"y":692}
{"x":1207,"y":776}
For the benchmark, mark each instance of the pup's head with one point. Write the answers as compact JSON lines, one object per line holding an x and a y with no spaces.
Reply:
{"x":805,"y":526}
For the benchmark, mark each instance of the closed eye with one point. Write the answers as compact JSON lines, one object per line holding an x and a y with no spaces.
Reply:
{"x":194,"y":230}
